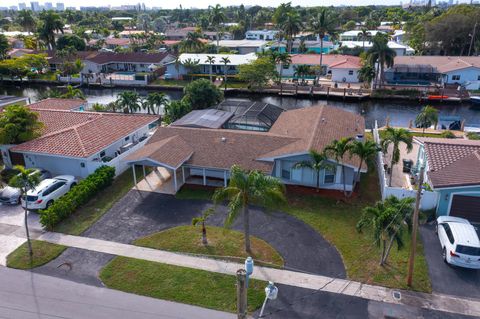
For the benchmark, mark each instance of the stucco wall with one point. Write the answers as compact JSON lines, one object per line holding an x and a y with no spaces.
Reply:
{"x":339,"y":74}
{"x":446,"y":195}
{"x":466,"y":75}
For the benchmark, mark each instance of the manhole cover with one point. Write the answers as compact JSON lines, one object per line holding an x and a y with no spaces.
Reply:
{"x":397,"y":295}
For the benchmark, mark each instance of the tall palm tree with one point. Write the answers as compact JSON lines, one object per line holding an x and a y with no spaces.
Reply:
{"x":192,"y":43}
{"x":322,"y":24}
{"x":387,"y":221}
{"x":225,"y":60}
{"x":292,"y":25}
{"x":394,"y":137}
{"x":129,"y":101}
{"x":27,"y":20}
{"x":364,"y":34}
{"x":155,"y":100}
{"x":249,"y":188}
{"x":427,"y":117}
{"x":25,"y":180}
{"x":318,"y":161}
{"x":73,"y":93}
{"x":177,"y":64}
{"x":365,"y":151}
{"x":191,"y":65}
{"x":338,"y":149}
{"x":216,"y":18}
{"x":210,"y":60}
{"x":202,"y":220}
{"x":282,"y":59}
{"x":50,"y":23}
{"x":382,"y":55}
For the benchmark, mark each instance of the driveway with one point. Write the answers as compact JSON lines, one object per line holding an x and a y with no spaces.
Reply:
{"x":14,"y":215}
{"x":139,"y":214}
{"x":445,"y":278}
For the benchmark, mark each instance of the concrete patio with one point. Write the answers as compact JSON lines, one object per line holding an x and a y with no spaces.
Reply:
{"x":160,"y":180}
{"x":399,"y":178}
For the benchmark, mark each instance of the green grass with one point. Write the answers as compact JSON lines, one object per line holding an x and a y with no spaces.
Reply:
{"x":171,"y":82}
{"x":222,"y":243}
{"x":185,"y":285}
{"x":88,"y":214}
{"x":43,"y":252}
{"x":236,"y":85}
{"x":50,"y":76}
{"x":195,"y":193}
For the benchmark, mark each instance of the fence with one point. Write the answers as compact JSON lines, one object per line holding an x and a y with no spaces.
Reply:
{"x":113,"y":79}
{"x":428,"y":200}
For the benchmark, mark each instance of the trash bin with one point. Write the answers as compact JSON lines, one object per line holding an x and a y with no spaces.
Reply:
{"x":407,"y":165}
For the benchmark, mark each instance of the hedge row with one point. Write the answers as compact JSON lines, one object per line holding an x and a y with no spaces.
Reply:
{"x":77,"y":196}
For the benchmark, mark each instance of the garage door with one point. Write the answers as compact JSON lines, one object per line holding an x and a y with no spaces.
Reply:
{"x":466,"y":207}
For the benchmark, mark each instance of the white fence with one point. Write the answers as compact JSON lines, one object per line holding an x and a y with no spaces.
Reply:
{"x":106,"y":80}
{"x":428,"y":200}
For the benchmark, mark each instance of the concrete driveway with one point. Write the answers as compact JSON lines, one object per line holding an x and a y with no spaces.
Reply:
{"x":14,"y":215}
{"x":445,"y":278}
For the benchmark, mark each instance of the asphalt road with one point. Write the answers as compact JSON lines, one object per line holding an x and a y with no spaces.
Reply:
{"x":445,"y":278}
{"x":27,"y":295}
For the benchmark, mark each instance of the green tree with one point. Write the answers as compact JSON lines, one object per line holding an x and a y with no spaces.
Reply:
{"x":365,"y":151}
{"x":73,"y":93}
{"x":51,"y":22}
{"x":387,"y":221}
{"x":71,"y":40}
{"x":282,"y":59}
{"x":338,"y":149}
{"x":249,"y":188}
{"x":177,"y":62}
{"x":318,"y":162}
{"x":25,"y":180}
{"x":19,"y":124}
{"x":381,"y":54}
{"x":427,"y":117}
{"x":322,"y":24}
{"x":216,"y":18}
{"x":192,"y":43}
{"x":202,"y":94}
{"x":154,"y":102}
{"x":257,"y":73}
{"x":394,"y":137}
{"x":129,"y":101}
{"x":366,"y":73}
{"x":365,"y":35}
{"x":302,"y":70}
{"x":27,"y":21}
{"x":175,"y":110}
{"x":225,"y":60}
{"x":191,"y":65}
{"x":202,"y":220}
{"x":291,"y":26}
{"x":4,"y":46}
{"x":210,"y":60}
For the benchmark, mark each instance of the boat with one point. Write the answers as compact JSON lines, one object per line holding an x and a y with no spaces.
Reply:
{"x":475,"y":99}
{"x":437,"y":97}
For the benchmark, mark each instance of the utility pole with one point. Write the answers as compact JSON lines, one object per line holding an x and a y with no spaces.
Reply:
{"x":472,"y":39}
{"x":242,"y":294}
{"x":413,"y":247}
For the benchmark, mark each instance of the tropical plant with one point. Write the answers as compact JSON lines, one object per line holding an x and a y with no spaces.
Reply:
{"x":301,"y":71}
{"x":73,"y":93}
{"x":191,"y":65}
{"x":338,"y":149}
{"x":177,"y":63}
{"x":71,"y":40}
{"x":257,"y":73}
{"x":202,"y":220}
{"x":129,"y":101}
{"x":394,"y":137}
{"x":154,"y":101}
{"x":216,"y":18}
{"x":176,"y":109}
{"x":4,"y":46}
{"x":381,"y":54}
{"x":322,"y":24}
{"x":19,"y":124}
{"x":27,"y":20}
{"x":291,"y":25}
{"x":365,"y":151}
{"x":202,"y":94}
{"x":427,"y":117}
{"x":318,"y":161}
{"x":50,"y":23}
{"x":25,"y":180}
{"x":387,"y":221}
{"x":366,"y":73}
{"x":210,"y":60}
{"x":249,"y":188}
{"x":282,"y":59}
{"x":365,"y":35}
{"x":192,"y":43}
{"x":225,"y":60}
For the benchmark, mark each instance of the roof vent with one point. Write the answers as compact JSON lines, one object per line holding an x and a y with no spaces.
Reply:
{"x":324,"y":120}
{"x":224,"y":139}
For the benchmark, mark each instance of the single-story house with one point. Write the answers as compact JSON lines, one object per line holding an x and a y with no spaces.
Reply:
{"x":310,"y":46}
{"x":77,"y":143}
{"x":356,"y":35}
{"x":340,"y":68}
{"x":268,"y":35}
{"x":205,"y":156}
{"x":400,"y":49}
{"x":462,"y":70}
{"x":108,"y":62}
{"x":243,"y":46}
{"x":452,"y":169}
{"x":6,"y":100}
{"x":203,"y":67}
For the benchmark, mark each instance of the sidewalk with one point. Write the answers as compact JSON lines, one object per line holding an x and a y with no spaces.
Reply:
{"x":437,"y":302}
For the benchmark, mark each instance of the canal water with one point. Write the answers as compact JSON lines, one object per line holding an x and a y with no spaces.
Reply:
{"x":400,"y":113}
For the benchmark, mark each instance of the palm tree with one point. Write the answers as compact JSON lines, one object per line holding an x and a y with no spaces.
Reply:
{"x":25,"y":180}
{"x":322,"y":24}
{"x":366,"y":73}
{"x":129,"y":101}
{"x":387,"y":221}
{"x":282,"y":59}
{"x":50,"y":23}
{"x":155,"y":100}
{"x":381,"y":54}
{"x":364,"y":35}
{"x":225,"y":60}
{"x":246,"y":188}
{"x":216,"y":18}
{"x":73,"y":93}
{"x":192,"y":43}
{"x":292,"y":25}
{"x":365,"y":151}
{"x":317,"y":162}
{"x":210,"y":60}
{"x":201,"y":220}
{"x":301,"y":71}
{"x":338,"y":149}
{"x":395,"y":137}
{"x":177,"y":64}
{"x":191,"y":65}
{"x":427,"y":117}
{"x":27,"y":20}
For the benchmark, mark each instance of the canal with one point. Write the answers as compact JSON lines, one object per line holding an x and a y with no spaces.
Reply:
{"x":400,"y":113}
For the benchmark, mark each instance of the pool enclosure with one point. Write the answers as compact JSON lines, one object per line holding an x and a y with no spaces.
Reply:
{"x":252,"y":116}
{"x":416,"y":74}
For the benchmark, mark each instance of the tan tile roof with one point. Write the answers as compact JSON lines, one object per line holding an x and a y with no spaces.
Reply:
{"x":81,"y":134}
{"x":331,"y":60}
{"x":58,"y":104}
{"x":452,"y":162}
{"x":442,"y":63}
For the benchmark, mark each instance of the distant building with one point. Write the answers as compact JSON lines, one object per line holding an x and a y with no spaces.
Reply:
{"x":243,"y":46}
{"x":267,"y":35}
{"x":354,"y":35}
{"x":48,"y":6}
{"x":13,"y":8}
{"x":400,"y":49}
{"x":35,"y":6}
{"x":60,"y":6}
{"x":22,"y":6}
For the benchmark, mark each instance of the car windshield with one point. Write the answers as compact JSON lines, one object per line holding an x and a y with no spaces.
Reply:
{"x":468,"y":250}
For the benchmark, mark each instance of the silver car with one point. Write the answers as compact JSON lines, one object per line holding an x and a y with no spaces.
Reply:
{"x":12,"y":195}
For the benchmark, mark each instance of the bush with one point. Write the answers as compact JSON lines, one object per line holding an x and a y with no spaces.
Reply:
{"x":79,"y":195}
{"x":473,"y":136}
{"x":447,"y":134}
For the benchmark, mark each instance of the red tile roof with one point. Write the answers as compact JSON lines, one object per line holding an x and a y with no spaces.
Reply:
{"x":133,"y":57}
{"x":331,"y":60}
{"x":442,"y":63}
{"x":57,"y":104}
{"x":81,"y":134}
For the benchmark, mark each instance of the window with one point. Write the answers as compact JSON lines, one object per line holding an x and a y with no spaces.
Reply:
{"x":329,"y":176}
{"x":127,"y":138}
{"x":468,"y":250}
{"x":478,"y":78}
{"x":455,"y":77}
{"x":102,"y":153}
{"x":448,"y":231}
{"x":285,"y":174}
{"x":350,"y":72}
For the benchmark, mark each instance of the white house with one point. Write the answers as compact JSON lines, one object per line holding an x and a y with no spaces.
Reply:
{"x":201,"y":59}
{"x":268,"y":35}
{"x":243,"y":46}
{"x":108,"y":62}
{"x":355,"y":35}
{"x":400,"y":49}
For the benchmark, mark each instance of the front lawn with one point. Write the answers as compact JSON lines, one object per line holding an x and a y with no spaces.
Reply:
{"x":188,"y":192}
{"x":180,"y":284}
{"x":222,"y":243}
{"x":43,"y":252}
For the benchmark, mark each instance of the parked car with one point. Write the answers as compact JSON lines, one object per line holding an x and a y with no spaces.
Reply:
{"x":48,"y":191}
{"x":11,"y":195}
{"x":459,"y":241}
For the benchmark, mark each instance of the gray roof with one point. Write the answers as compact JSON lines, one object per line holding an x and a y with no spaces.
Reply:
{"x":208,"y":118}
{"x":9,"y":99}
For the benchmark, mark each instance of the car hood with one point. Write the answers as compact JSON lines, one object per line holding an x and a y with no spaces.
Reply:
{"x":10,"y":191}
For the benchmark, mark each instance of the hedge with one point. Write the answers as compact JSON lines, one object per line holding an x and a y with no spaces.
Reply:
{"x":77,"y":196}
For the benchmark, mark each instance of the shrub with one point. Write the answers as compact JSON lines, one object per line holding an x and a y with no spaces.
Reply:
{"x":79,"y":195}
{"x":448,"y":134}
{"x":473,"y":136}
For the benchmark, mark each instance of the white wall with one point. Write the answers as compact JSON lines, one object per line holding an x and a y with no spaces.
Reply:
{"x":466,"y":75}
{"x":55,"y":164}
{"x":339,"y":74}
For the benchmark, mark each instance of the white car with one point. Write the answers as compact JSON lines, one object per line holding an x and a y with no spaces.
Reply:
{"x":459,"y":241}
{"x":11,"y":195}
{"x":48,"y":191}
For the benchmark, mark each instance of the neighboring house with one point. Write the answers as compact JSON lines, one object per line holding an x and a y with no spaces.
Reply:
{"x":16,"y":53}
{"x":310,"y":46}
{"x":452,"y":170}
{"x":205,"y":156}
{"x":400,"y":49}
{"x":180,"y":34}
{"x":339,"y":68}
{"x":113,"y":43}
{"x":268,"y":35}
{"x":356,"y":35}
{"x":243,"y":46}
{"x":109,"y":62}
{"x":6,"y":100}
{"x":461,"y":70}
{"x":399,"y":36}
{"x":204,"y":67}
{"x":77,"y":143}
